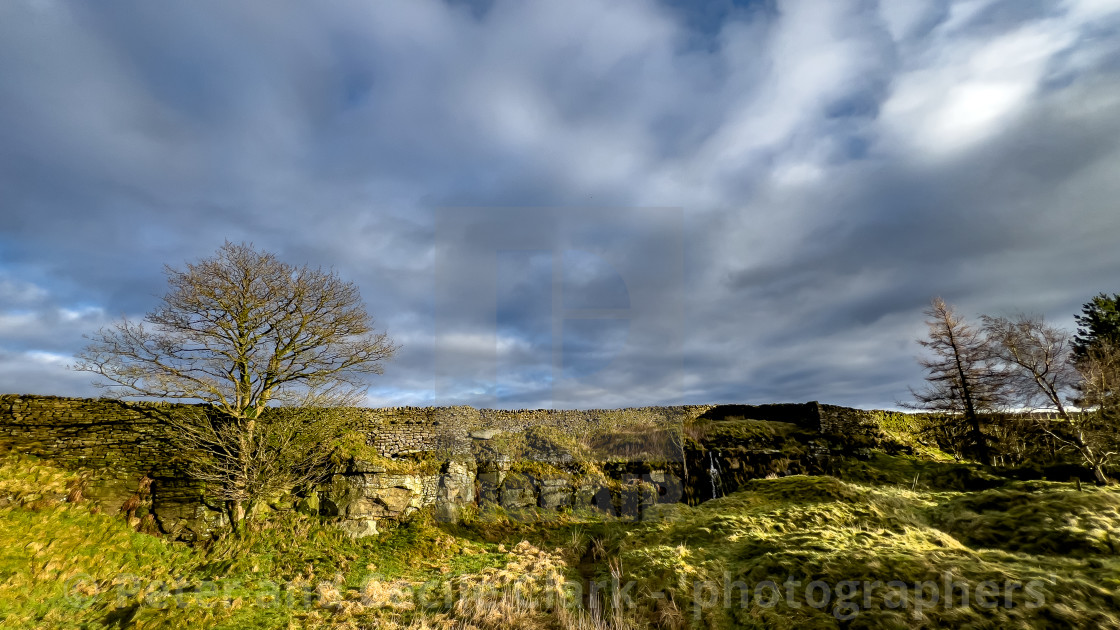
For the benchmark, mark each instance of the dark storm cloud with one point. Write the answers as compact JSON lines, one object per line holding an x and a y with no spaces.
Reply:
{"x":834,"y":166}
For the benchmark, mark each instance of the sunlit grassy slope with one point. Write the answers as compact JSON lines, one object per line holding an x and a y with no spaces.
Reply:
{"x":1028,"y":554}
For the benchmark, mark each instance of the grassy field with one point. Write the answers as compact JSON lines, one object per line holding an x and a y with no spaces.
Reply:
{"x":898,"y":543}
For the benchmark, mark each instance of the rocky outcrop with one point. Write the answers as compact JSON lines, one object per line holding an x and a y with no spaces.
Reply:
{"x":631,"y":465}
{"x":372,"y":493}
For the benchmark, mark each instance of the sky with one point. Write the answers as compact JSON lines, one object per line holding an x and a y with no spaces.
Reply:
{"x":577,"y":204}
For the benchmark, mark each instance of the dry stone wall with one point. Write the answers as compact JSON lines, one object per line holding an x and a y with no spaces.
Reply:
{"x":401,"y":430}
{"x":845,"y":421}
{"x":125,"y":442}
{"x":88,"y":432}
{"x":98,"y":433}
{"x":122,"y":443}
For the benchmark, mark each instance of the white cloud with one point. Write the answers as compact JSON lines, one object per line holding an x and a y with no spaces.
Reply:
{"x":971,"y":90}
{"x":1088,"y":10}
{"x":810,"y":147}
{"x":903,"y":16}
{"x":15,"y":292}
{"x":47,"y":358}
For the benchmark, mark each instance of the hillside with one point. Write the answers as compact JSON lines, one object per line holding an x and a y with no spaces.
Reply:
{"x":886,"y":539}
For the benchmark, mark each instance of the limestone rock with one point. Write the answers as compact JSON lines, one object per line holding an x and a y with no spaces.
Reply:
{"x":309,"y":505}
{"x":555,"y":493}
{"x":359,"y":529}
{"x":362,"y":466}
{"x":383,"y":502}
{"x":518,"y":492}
{"x":489,"y":484}
{"x":456,"y":488}
{"x":373,"y":495}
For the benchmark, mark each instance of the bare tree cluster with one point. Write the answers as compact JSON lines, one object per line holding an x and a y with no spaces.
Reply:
{"x":989,"y":375}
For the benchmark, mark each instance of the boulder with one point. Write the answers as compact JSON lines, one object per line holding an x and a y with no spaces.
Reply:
{"x":485,"y":434}
{"x":309,"y":505}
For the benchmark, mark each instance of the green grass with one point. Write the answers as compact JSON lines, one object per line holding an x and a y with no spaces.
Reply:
{"x":64,"y":565}
{"x":870,"y":537}
{"x":1037,"y":518}
{"x":806,"y":529}
{"x":918,"y":473}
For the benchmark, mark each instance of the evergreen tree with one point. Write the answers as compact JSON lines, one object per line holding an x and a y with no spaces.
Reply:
{"x":1099,"y":323}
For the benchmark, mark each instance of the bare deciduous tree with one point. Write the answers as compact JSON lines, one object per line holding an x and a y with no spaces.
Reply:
{"x":1038,"y":362}
{"x":1095,"y":431}
{"x":962,"y":379}
{"x":244,"y":331}
{"x":1036,"y":358}
{"x":287,"y":447}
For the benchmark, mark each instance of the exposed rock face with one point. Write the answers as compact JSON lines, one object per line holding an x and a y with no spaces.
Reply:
{"x":369,"y":492}
{"x":555,"y":493}
{"x":518,"y":491}
{"x":124,"y":442}
{"x":491,"y":472}
{"x":456,"y":488}
{"x":374,"y":494}
{"x":364,"y":493}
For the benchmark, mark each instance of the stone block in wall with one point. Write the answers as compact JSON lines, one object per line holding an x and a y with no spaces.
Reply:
{"x":517,"y":492}
{"x":183,"y":511}
{"x":555,"y":493}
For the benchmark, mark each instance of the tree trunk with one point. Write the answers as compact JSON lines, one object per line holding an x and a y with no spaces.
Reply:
{"x":980,"y":441}
{"x":1091,"y":458}
{"x":1098,"y":472}
{"x":237,"y":518}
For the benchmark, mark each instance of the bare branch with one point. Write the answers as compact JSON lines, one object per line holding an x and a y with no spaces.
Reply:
{"x":243,"y":331}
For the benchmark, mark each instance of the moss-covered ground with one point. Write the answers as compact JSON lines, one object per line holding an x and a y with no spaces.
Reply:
{"x":890,"y":542}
